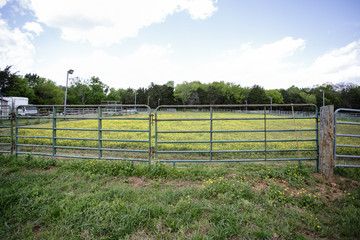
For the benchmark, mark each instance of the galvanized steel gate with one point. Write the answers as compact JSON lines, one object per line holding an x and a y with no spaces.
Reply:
{"x":87,"y":132}
{"x":347,"y":135}
{"x":200,"y":133}
{"x":196,"y":133}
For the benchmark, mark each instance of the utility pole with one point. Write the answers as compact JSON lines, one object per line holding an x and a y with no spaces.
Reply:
{"x":70,"y":71}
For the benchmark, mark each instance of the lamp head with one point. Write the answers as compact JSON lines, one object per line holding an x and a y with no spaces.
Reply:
{"x":70,"y":71}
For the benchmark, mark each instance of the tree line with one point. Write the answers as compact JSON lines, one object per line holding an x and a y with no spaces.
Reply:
{"x":93,"y":91}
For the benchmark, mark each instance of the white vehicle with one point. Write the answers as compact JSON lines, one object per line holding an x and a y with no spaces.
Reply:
{"x":24,"y":110}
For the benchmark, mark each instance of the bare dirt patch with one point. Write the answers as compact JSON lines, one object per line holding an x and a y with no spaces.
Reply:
{"x":261,"y":186}
{"x":138,"y":182}
{"x":37,"y":228}
{"x":334,"y":188}
{"x":40,"y":171}
{"x":180,"y":184}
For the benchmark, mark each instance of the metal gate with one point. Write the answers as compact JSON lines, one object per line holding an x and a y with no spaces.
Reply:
{"x":236,"y":133}
{"x":111,"y":132}
{"x":195,"y":133}
{"x":347,"y":137}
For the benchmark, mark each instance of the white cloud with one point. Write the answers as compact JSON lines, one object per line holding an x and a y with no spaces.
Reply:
{"x":338,"y":65}
{"x":15,"y":48}
{"x":3,"y":3}
{"x":338,"y":59}
{"x":270,"y":66}
{"x":273,"y":66}
{"x":199,"y":9}
{"x":33,"y":27}
{"x":147,"y":64}
{"x":105,"y":22}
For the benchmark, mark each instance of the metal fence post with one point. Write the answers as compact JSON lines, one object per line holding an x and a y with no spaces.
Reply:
{"x":265,"y":143}
{"x":100,"y":131}
{"x":54,"y":130}
{"x":156,"y":138}
{"x":150,"y":150}
{"x":211,"y":132}
{"x":326,"y":141}
{"x":15,"y":115}
{"x":12,"y":118}
{"x":317,"y":138}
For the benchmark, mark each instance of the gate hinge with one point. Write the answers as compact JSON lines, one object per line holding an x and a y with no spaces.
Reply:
{"x":152,"y":152}
{"x":12,"y":116}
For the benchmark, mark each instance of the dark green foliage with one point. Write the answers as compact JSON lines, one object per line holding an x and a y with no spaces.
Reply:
{"x":87,"y":91}
{"x":94,"y":91}
{"x":257,"y":95}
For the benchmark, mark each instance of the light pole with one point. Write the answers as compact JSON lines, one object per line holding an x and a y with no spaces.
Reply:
{"x":159,"y":102}
{"x":270,"y":103}
{"x":135,"y":100}
{"x":246,"y":104}
{"x":70,"y":71}
{"x":323,"y":91}
{"x":148,"y":101}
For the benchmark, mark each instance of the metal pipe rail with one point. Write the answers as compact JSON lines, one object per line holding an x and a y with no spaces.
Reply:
{"x":50,"y":132}
{"x":210,"y":120}
{"x":347,"y":136}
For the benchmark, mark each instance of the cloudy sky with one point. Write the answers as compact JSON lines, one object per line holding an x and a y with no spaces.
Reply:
{"x":131,"y":43}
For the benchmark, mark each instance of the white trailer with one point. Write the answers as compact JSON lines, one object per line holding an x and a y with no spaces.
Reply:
{"x":24,"y":110}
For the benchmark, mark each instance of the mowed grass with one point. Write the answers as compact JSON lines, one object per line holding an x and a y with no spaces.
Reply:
{"x":52,"y":199}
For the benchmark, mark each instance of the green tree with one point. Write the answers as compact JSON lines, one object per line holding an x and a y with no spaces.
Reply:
{"x":257,"y":95}
{"x":45,"y":91}
{"x":88,"y":91}
{"x":48,"y":93}
{"x":128,"y":97}
{"x":292,"y":95}
{"x":6,"y":78}
{"x":308,"y":98}
{"x":14,"y":85}
{"x":276,"y":96}
{"x":350,"y":95}
{"x":184,"y":91}
{"x":141,"y":97}
{"x":115,"y":95}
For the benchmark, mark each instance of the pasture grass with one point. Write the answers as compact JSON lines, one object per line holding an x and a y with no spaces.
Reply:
{"x":44,"y":198}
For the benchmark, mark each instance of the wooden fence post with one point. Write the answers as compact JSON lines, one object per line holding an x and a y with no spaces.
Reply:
{"x":326,"y":141}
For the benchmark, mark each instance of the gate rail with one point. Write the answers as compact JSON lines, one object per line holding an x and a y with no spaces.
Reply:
{"x":50,"y":132}
{"x":267,"y":116}
{"x":348,"y":122}
{"x":86,"y":138}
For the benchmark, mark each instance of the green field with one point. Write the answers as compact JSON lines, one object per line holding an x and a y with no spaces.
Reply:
{"x":96,"y":199}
